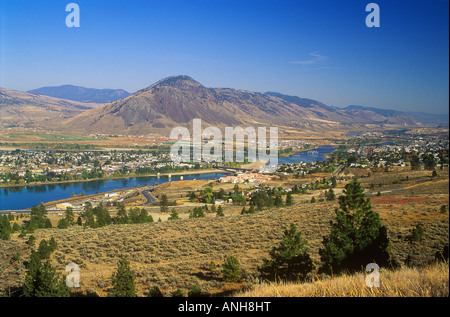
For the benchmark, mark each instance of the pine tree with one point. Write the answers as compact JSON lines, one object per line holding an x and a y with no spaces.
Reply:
{"x":220,"y":212}
{"x":289,"y":199}
{"x":329,"y":195}
{"x":41,"y":279}
{"x":290,"y":260}
{"x":122,"y":280}
{"x":356,"y":237}
{"x":231,"y":269}
{"x":173,"y":215}
{"x":164,"y":203}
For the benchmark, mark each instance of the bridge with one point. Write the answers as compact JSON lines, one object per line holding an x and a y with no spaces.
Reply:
{"x":232,"y":169}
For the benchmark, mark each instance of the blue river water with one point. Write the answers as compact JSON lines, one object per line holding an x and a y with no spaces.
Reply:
{"x":16,"y":198}
{"x":308,"y":156}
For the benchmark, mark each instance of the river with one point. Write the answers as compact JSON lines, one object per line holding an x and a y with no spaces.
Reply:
{"x":16,"y":198}
{"x":308,"y":156}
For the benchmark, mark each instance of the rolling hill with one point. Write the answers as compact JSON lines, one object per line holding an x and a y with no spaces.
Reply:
{"x":24,"y":109}
{"x":81,"y":94}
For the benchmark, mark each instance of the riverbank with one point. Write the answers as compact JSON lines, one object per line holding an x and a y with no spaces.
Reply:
{"x":206,"y":171}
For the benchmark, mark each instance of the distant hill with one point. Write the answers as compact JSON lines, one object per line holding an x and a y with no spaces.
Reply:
{"x":176,"y":100}
{"x":425,"y":118}
{"x":19,"y":108}
{"x":82,"y":94}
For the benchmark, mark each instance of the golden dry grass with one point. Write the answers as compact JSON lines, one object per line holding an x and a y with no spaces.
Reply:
{"x":430,"y":281}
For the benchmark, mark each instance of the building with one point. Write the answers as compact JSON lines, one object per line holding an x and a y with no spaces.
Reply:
{"x":63,"y":206}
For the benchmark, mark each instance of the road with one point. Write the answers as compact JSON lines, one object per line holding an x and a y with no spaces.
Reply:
{"x":337,"y":171}
{"x":150,"y":198}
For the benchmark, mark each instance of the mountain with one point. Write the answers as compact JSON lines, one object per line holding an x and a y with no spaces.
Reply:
{"x":21,"y":108}
{"x":81,"y":94}
{"x":177,"y":100}
{"x":425,"y":118}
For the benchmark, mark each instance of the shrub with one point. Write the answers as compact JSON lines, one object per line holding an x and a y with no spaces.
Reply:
{"x":417,"y":233}
{"x":154,"y":292}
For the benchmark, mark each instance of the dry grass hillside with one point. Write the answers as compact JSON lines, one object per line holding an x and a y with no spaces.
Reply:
{"x":177,"y":254}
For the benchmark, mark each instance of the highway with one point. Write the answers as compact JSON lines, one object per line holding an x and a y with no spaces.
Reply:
{"x":150,"y":198}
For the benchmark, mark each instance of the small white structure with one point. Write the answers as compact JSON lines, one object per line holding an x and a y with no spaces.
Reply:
{"x":63,"y":206}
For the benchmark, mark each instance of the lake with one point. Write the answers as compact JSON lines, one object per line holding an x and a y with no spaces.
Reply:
{"x":16,"y":198}
{"x":308,"y":156}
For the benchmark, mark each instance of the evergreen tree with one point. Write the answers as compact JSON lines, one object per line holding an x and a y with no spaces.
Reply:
{"x":231,"y":269}
{"x":164,"y":203}
{"x":356,"y":237}
{"x":173,"y":215}
{"x":289,"y":199}
{"x":290,"y":260}
{"x":41,"y":279}
{"x":122,"y":216}
{"x":220,"y":212}
{"x":122,"y":280}
{"x":5,"y":228}
{"x":329,"y":195}
{"x":144,"y":217}
{"x":278,"y":201}
{"x":69,"y":216}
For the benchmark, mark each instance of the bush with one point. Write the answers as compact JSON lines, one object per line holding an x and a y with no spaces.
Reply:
{"x":417,"y":233}
{"x":154,"y":292}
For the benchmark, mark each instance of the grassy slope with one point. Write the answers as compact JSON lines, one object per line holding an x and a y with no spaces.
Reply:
{"x":177,"y":254}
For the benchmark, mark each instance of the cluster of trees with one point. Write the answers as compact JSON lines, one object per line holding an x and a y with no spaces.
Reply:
{"x":356,"y":238}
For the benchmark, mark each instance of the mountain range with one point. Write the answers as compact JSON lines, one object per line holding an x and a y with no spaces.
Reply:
{"x":24,"y":109}
{"x":81,"y":94}
{"x":177,"y":100}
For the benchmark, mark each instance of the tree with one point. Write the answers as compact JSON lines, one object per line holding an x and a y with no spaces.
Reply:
{"x":122,"y":216}
{"x":164,"y":203}
{"x":417,"y":233}
{"x":69,"y":216}
{"x":173,"y":215}
{"x":144,"y":217}
{"x":5,"y":228}
{"x":38,"y":218}
{"x":415,"y":162}
{"x":278,"y":201}
{"x":290,"y":260}
{"x":329,"y":195}
{"x":197,"y":213}
{"x":429,"y":162}
{"x":220,"y":212}
{"x":123,"y":280}
{"x":231,"y":269}
{"x":356,"y":237}
{"x":289,"y":199}
{"x":41,"y":279}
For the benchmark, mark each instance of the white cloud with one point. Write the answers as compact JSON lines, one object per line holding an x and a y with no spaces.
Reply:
{"x":316,"y":58}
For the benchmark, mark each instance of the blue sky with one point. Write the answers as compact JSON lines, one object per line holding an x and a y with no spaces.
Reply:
{"x":315,"y":49}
